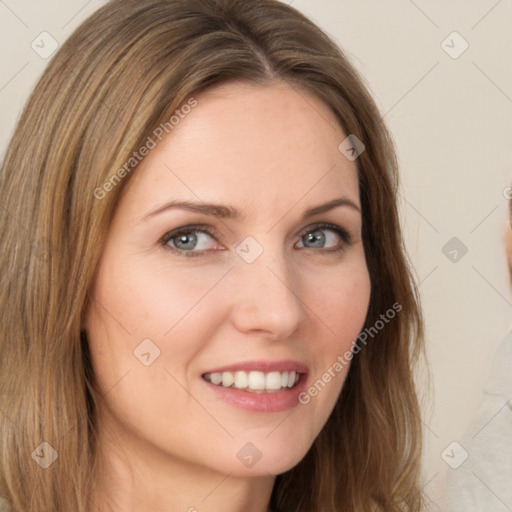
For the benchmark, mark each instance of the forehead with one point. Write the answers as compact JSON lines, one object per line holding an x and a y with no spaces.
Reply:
{"x":248,"y":143}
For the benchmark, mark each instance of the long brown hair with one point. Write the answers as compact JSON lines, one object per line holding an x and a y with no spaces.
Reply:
{"x":118,"y":76}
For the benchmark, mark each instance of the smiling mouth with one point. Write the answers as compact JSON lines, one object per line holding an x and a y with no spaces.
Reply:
{"x":254,"y":381}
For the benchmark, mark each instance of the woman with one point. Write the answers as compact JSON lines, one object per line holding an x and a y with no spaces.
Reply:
{"x":250,"y":348}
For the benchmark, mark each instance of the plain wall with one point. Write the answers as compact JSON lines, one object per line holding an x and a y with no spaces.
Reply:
{"x":452,"y":124}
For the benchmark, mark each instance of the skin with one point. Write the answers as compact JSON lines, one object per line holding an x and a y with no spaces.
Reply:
{"x":166,"y":442}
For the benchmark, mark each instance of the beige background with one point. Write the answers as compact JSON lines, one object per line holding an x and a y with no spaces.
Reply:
{"x":451,"y":119}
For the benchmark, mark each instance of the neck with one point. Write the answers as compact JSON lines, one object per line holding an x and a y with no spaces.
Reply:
{"x":144,"y":479}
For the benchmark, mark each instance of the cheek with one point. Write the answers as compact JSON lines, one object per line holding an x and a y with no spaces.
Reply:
{"x":342,"y":307}
{"x":138,"y":311}
{"x":136,"y":302}
{"x":147,"y":297}
{"x":341,"y":304}
{"x":342,"y":311}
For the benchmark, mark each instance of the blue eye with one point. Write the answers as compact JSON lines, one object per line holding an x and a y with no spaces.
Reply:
{"x":183,"y":240}
{"x":315,"y":236}
{"x":193,"y":240}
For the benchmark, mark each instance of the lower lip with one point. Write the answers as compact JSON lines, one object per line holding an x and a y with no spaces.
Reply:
{"x":276,"y":401}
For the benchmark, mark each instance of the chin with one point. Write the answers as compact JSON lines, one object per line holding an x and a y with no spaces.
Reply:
{"x":264,"y":467}
{"x":264,"y":457}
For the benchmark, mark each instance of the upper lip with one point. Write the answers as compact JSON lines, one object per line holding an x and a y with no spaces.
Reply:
{"x":262,"y":366}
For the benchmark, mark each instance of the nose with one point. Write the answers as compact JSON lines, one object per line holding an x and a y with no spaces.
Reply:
{"x":266,"y":298}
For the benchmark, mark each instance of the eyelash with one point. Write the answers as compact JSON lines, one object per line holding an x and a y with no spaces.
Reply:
{"x":341,"y":232}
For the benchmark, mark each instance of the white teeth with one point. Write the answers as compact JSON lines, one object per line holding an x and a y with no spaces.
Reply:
{"x":240,"y":380}
{"x":227,"y":379}
{"x":216,"y":378}
{"x":254,"y":381}
{"x":273,"y":380}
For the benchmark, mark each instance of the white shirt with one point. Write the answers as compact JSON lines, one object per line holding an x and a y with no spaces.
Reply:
{"x":483,"y":483}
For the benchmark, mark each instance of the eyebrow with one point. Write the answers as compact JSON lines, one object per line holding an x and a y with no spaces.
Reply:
{"x":229,"y":212}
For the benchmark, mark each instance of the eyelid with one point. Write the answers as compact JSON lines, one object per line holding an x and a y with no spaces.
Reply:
{"x":186,"y":229}
{"x":339,"y":230}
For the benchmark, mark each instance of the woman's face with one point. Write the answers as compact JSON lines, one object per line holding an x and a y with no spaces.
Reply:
{"x":201,"y":319}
